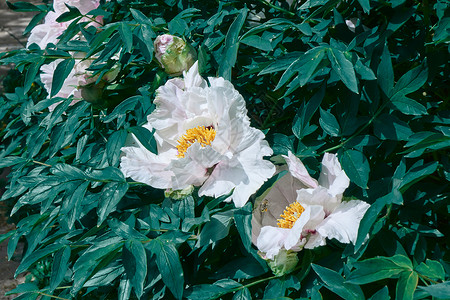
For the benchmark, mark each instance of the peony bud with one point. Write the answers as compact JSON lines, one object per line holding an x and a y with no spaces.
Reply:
{"x":282,"y":263}
{"x":174,"y":54}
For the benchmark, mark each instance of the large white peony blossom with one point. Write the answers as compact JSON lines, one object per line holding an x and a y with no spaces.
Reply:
{"x":301,"y":212}
{"x":50,"y":30}
{"x":204,"y":139}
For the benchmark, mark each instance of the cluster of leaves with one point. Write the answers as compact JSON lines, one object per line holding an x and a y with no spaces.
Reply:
{"x":374,"y":91}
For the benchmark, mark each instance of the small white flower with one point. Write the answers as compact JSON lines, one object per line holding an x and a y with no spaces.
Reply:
{"x":204,"y":139}
{"x":287,"y":221}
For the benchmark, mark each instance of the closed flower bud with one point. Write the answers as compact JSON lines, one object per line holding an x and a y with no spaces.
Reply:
{"x":283,"y":263}
{"x":174,"y":54}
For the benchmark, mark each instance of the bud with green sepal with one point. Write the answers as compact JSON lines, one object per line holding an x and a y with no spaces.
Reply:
{"x":174,"y":54}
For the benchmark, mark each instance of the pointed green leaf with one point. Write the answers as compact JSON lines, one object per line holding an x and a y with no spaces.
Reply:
{"x":59,"y":266}
{"x":344,"y":68}
{"x":111,"y":194}
{"x":336,"y":283}
{"x":135,"y":262}
{"x":169,"y":266}
{"x":61,"y":73}
{"x":356,"y":166}
{"x":231,"y":47}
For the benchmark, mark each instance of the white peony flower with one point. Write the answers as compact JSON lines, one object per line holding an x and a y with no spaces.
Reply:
{"x":50,"y":30}
{"x":305,"y":220}
{"x":204,"y":139}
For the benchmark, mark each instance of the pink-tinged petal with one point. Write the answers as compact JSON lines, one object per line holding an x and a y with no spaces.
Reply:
{"x":271,"y":240}
{"x":299,"y":171}
{"x":343,"y":223}
{"x":332,"y":176}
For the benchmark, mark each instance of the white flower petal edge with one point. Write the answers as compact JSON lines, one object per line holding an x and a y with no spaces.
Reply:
{"x":323,"y":215}
{"x":343,"y":223}
{"x":232,"y":160}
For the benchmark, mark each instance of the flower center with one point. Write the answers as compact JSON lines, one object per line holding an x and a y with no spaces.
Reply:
{"x":290,"y":215}
{"x":201,"y":134}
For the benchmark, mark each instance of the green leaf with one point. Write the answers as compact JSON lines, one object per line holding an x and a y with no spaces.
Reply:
{"x":145,"y":137}
{"x":385,"y":72}
{"x":11,"y":161}
{"x":61,"y":72}
{"x":113,"y":145}
{"x":440,"y":290}
{"x":370,"y":217}
{"x":140,"y":17}
{"x":374,"y":269}
{"x":301,"y":127}
{"x":278,"y":287}
{"x":22,"y":6}
{"x":329,"y":123}
{"x":69,"y":15}
{"x":382,"y":294}
{"x":336,"y":283}
{"x":125,"y":231}
{"x":169,"y":266}
{"x":35,"y":256}
{"x":106,"y":275}
{"x":431,"y":269}
{"x":365,"y":4}
{"x":389,"y":127}
{"x":309,"y":63}
{"x":356,"y":166}
{"x":257,"y":42}
{"x":242,"y":294}
{"x":406,"y":285}
{"x":88,"y":262}
{"x":243,"y":221}
{"x":135,"y":262}
{"x":408,"y":106}
{"x":231,"y":46}
{"x":216,"y":229}
{"x":124,"y":288}
{"x":111,"y":194}
{"x":410,"y":82}
{"x":127,"y":36}
{"x":343,"y":68}
{"x":59,"y":267}
{"x":31,"y":73}
{"x":26,"y":287}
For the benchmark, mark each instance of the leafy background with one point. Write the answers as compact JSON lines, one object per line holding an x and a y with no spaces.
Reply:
{"x":377,"y":96}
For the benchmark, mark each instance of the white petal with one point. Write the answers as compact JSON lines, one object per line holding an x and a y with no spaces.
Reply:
{"x":299,"y":171}
{"x":146,"y":167}
{"x":332,"y":176}
{"x":271,"y":239}
{"x":343,"y":223}
{"x":194,"y":167}
{"x":192,"y":78}
{"x":295,"y":233}
{"x":318,"y":196}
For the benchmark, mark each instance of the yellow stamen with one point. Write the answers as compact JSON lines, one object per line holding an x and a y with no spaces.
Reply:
{"x":201,"y":134}
{"x":290,"y":215}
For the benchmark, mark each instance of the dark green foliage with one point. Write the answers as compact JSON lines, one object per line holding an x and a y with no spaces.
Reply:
{"x":377,"y":94}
